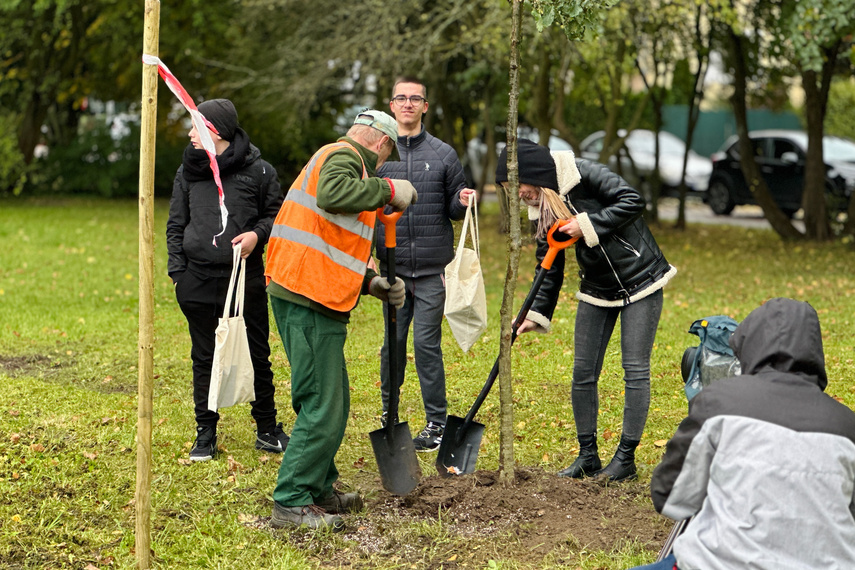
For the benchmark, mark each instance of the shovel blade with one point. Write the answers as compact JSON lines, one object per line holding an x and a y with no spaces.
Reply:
{"x":459,"y":458}
{"x":396,"y":458}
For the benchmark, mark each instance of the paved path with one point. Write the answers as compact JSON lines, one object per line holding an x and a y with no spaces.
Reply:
{"x":699,"y":213}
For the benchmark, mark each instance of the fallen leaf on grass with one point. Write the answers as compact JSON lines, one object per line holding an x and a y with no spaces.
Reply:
{"x":234,"y":466}
{"x":38,"y":447}
{"x":90,"y":456}
{"x":184,"y":461}
{"x":660,"y":442}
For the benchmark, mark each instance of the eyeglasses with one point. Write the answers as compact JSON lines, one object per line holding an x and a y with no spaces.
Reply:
{"x":413,"y":99}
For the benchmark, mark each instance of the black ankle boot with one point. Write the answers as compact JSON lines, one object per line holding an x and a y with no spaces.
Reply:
{"x":588,"y":462}
{"x":622,"y":465}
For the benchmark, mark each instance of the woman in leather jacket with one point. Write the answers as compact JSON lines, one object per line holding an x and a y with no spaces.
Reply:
{"x":622,"y":272}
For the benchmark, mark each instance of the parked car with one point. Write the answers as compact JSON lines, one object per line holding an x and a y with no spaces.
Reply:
{"x":780,"y":155}
{"x":638,"y":158}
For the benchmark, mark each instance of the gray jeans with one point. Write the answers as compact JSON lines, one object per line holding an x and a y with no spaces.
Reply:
{"x":423,"y":308}
{"x":594,"y":327}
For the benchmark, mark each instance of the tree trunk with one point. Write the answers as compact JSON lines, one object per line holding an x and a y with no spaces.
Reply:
{"x":654,"y":182}
{"x":816,"y":102}
{"x":539,"y":115}
{"x":506,"y":404}
{"x":693,"y":112}
{"x":776,"y":218}
{"x":29,"y":129}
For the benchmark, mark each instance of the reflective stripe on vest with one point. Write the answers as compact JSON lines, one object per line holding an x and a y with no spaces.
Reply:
{"x":317,"y":254}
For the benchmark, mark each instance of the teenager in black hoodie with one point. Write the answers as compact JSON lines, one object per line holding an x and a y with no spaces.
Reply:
{"x":200,"y":262}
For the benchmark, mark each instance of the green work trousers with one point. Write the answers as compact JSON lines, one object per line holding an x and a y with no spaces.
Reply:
{"x":320,"y":396}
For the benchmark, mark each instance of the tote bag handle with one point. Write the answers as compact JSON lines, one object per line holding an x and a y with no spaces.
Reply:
{"x":471,"y":216}
{"x":239,"y":275}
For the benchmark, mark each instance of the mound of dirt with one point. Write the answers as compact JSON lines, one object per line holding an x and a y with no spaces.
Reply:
{"x":547,"y":516}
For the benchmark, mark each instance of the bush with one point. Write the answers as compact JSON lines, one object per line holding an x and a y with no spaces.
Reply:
{"x":103,"y":160}
{"x":839,"y":119}
{"x":13,"y":169}
{"x":99,"y":162}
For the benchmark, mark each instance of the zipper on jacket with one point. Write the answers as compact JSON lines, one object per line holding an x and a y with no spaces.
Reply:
{"x":627,"y":246}
{"x":410,"y":218}
{"x":622,"y":290}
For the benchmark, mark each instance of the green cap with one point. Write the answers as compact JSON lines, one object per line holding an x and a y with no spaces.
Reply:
{"x":384,"y":123}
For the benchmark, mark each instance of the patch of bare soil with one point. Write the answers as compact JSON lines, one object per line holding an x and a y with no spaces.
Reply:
{"x":21,"y":365}
{"x":540,"y":519}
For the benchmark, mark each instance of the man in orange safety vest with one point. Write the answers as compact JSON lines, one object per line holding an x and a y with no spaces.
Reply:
{"x":316,"y":269}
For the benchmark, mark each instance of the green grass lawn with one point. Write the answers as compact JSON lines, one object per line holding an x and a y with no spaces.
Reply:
{"x":68,"y":385}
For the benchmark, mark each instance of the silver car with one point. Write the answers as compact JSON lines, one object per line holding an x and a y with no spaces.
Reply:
{"x":637,"y":159}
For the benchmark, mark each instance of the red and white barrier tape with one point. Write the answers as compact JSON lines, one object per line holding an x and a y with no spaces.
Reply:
{"x":202,"y":125}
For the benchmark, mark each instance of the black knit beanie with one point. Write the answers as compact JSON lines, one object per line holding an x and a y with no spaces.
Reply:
{"x":222,"y":113}
{"x":535,"y":164}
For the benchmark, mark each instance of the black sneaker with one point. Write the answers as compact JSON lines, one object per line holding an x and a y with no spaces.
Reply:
{"x":430,"y":437}
{"x":205,"y":445}
{"x":275,"y":441}
{"x":311,"y":516}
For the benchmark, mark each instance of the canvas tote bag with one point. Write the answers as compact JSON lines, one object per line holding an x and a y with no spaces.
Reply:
{"x":232,"y":376}
{"x":465,"y":299}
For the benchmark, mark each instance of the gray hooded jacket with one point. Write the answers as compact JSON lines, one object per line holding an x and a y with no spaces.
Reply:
{"x":765,"y":461}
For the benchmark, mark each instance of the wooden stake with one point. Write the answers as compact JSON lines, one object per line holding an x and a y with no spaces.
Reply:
{"x":145,"y":381}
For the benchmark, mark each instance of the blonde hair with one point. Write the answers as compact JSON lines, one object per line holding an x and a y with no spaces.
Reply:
{"x":551,"y":209}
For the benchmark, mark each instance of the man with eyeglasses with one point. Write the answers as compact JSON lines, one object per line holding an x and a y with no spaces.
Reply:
{"x":425,"y":245}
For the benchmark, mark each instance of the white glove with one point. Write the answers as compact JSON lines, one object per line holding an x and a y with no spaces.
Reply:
{"x":392,"y":294}
{"x":403,"y":194}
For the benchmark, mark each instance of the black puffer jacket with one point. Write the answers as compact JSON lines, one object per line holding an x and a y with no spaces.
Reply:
{"x":425,"y":236}
{"x":252,"y":196}
{"x":619,"y":260}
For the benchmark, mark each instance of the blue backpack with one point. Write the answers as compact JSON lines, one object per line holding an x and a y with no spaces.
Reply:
{"x":713,"y":358}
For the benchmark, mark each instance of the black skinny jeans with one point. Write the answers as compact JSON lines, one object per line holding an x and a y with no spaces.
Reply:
{"x":202,"y":300}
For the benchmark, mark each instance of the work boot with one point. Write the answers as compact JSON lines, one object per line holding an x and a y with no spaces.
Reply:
{"x":274,"y":441}
{"x":339,"y":502}
{"x":588,"y":463}
{"x":622,"y":465}
{"x":311,"y":516}
{"x":205,"y":446}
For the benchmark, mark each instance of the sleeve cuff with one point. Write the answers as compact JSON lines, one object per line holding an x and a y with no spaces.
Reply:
{"x":543,"y":324}
{"x":588,"y":232}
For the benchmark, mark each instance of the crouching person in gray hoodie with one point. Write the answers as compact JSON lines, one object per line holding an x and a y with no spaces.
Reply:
{"x":765,"y":461}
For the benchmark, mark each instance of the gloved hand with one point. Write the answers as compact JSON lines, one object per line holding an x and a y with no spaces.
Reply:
{"x":403,"y":194}
{"x":392,"y":294}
